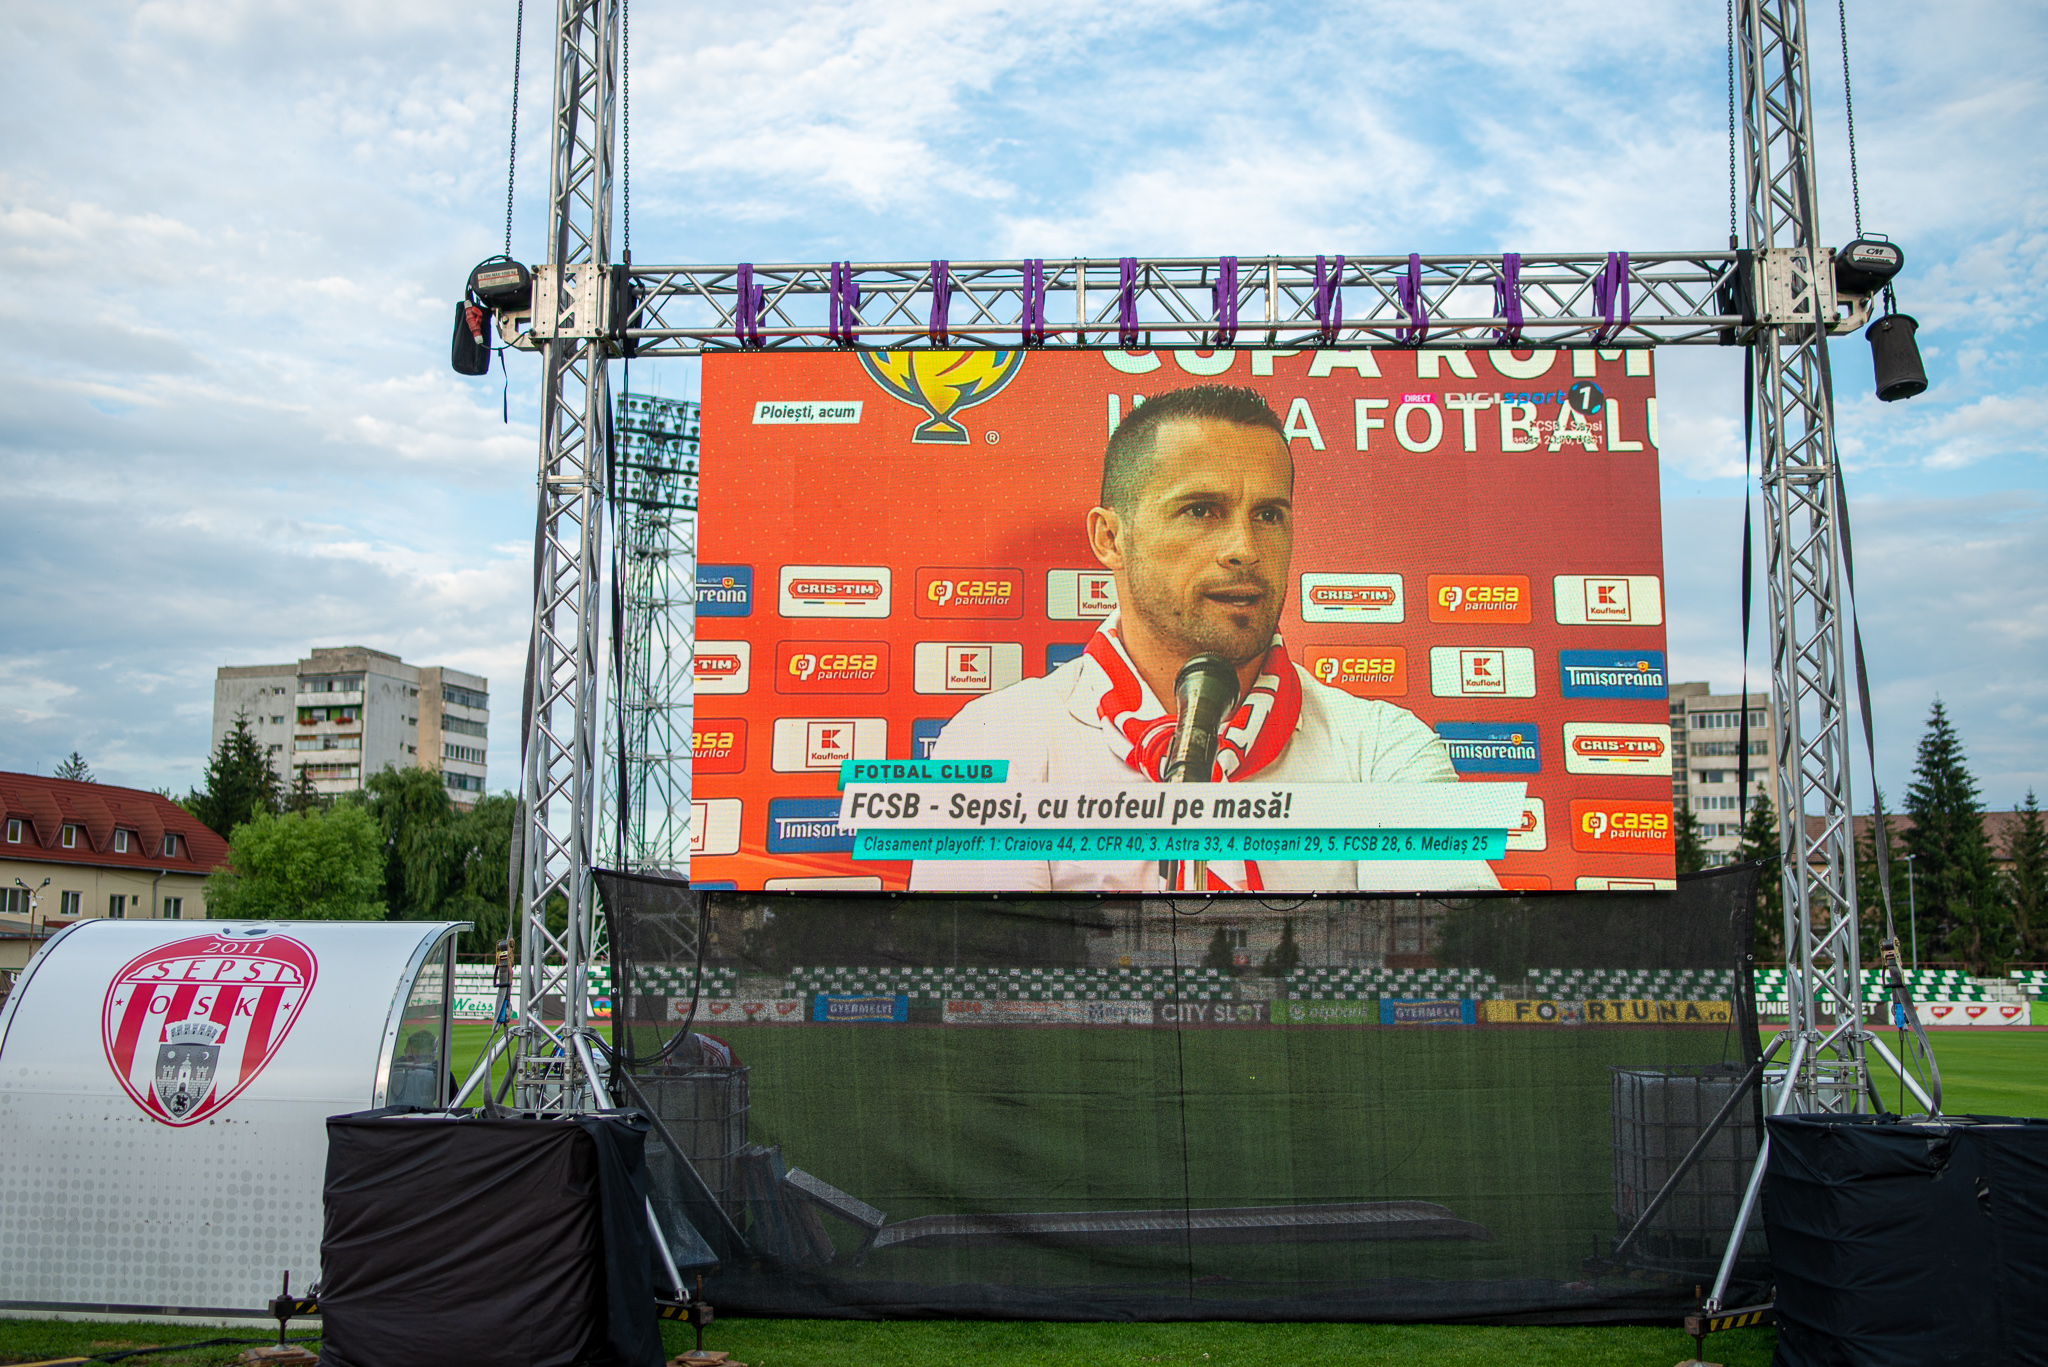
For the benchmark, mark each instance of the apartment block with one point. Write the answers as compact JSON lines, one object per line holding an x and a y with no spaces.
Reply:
{"x":1706,"y":735}
{"x":346,"y":712}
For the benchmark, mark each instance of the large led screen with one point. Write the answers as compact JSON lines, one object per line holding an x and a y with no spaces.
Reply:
{"x":943,"y":599}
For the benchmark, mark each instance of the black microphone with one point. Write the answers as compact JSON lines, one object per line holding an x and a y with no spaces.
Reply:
{"x":1205,"y":694}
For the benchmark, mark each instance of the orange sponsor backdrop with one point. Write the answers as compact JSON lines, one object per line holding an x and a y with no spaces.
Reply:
{"x":881,"y":542}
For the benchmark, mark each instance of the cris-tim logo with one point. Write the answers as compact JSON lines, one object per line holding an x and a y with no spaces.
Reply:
{"x":1492,"y":598}
{"x":188,"y":1025}
{"x":1366,"y":671}
{"x":832,"y":667}
{"x":1622,"y":827}
{"x":970,"y":592}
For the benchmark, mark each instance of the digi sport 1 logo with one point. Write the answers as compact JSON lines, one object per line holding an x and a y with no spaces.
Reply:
{"x":187,"y":1026}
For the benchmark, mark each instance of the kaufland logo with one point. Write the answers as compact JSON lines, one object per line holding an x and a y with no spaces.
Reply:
{"x":1476,"y":672}
{"x":967,"y":669}
{"x":1598,"y":600}
{"x":827,"y":743}
{"x":1465,"y":598}
{"x":725,"y":590}
{"x":1611,"y":674}
{"x":1079,"y":595}
{"x":1483,"y":671}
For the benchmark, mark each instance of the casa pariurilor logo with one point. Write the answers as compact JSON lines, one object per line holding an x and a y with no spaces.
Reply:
{"x":943,"y":384}
{"x":188,"y":1025}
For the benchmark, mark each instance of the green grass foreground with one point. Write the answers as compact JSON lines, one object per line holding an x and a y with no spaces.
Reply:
{"x":950,"y":1343}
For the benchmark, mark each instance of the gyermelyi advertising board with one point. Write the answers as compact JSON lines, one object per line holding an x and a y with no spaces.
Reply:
{"x":944,"y":598}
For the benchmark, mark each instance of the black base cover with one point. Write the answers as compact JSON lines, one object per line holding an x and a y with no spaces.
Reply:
{"x":1909,"y":1243}
{"x":492,"y":1243}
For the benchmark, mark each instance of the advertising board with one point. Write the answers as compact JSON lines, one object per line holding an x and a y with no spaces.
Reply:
{"x":944,"y":597}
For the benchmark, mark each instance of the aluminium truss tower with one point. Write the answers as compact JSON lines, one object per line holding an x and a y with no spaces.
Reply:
{"x":1777,"y":296}
{"x":560,"y":756}
{"x":655,"y":491}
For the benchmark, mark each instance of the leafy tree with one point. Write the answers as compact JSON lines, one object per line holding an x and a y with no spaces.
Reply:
{"x":1957,"y":887}
{"x":1221,"y":953}
{"x":1692,"y":850}
{"x":1760,"y":843}
{"x":477,"y":847}
{"x":2027,"y":882}
{"x":312,"y":866}
{"x":75,"y":769}
{"x":412,"y":812}
{"x":1284,"y":956}
{"x":240,"y":784}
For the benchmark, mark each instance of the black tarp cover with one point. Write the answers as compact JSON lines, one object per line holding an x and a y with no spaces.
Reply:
{"x":1904,"y":1244}
{"x":957,"y":1106}
{"x":490,"y":1242}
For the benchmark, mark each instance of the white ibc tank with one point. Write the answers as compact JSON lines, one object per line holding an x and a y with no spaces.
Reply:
{"x":164,"y":1092}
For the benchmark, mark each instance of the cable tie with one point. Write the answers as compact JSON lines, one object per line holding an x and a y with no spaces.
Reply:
{"x":1034,"y":302}
{"x":748,"y":305}
{"x":940,"y":330}
{"x":844,"y":301}
{"x":1127,"y":301}
{"x":1408,"y":290}
{"x":1507,"y":299}
{"x":1223,"y":297}
{"x":1329,"y":299}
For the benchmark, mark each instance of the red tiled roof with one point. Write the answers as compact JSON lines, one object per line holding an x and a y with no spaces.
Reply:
{"x":47,"y":805}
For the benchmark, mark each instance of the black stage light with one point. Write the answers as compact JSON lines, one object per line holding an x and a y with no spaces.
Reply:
{"x":501,"y":285}
{"x":1895,"y":357}
{"x":1867,"y":265}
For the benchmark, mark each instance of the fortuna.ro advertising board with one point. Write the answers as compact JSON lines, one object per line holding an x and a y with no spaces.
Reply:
{"x":941,"y":596}
{"x":164,"y":1094}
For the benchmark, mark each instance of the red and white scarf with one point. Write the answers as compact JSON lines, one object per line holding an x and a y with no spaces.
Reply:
{"x":1139,"y":729}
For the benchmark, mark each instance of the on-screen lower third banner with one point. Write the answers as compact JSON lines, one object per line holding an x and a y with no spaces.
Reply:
{"x":942,"y":604}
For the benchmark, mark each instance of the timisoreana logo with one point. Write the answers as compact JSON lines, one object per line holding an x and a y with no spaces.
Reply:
{"x":1611,"y":674}
{"x":1478,"y":597}
{"x":1485,"y":747}
{"x":942,"y":384}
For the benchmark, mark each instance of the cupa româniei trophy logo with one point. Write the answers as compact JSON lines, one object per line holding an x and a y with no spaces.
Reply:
{"x":942,"y":383}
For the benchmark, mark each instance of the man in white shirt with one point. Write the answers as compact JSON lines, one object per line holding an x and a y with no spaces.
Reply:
{"x":1196,"y":521}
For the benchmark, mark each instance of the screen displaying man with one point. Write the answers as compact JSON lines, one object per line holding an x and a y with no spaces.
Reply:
{"x":1196,"y":521}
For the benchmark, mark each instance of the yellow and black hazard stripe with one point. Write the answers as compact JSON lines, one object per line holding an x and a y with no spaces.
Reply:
{"x":1699,"y":1325}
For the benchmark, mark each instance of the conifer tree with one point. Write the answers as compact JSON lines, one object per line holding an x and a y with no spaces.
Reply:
{"x":1283,"y":957}
{"x":1685,"y":830}
{"x":75,"y":769}
{"x":240,"y":784}
{"x":1760,"y":843}
{"x":2027,"y":883}
{"x":1960,"y":908}
{"x":1221,"y":954}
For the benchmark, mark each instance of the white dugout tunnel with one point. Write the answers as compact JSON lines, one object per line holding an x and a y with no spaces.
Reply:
{"x":164,"y":1093}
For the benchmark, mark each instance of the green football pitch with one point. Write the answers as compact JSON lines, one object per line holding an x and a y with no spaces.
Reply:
{"x":1360,"y":1114}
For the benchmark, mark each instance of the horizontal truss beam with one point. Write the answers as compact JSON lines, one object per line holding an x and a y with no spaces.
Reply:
{"x":1614,"y":299}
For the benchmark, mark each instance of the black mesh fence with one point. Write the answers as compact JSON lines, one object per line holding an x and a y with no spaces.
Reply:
{"x":1112,"y":1108}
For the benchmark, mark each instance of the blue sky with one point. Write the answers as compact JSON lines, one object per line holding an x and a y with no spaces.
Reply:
{"x":232,"y":233}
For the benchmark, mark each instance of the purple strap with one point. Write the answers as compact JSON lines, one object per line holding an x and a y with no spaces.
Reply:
{"x":940,"y":330}
{"x":1507,"y":299}
{"x":1224,"y":298}
{"x":1127,"y":301}
{"x":747,"y":308}
{"x":1408,"y":289}
{"x":1610,"y":294}
{"x":845,"y":299}
{"x":1034,"y":302}
{"x":1329,"y":300}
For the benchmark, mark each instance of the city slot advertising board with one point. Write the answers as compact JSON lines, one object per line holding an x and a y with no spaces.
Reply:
{"x":942,"y":595}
